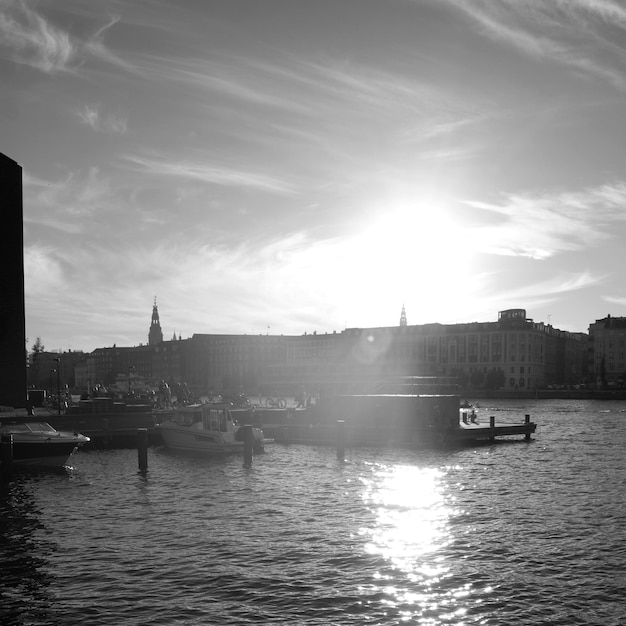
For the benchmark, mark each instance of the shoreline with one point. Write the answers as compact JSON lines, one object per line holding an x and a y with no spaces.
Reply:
{"x":545,"y":394}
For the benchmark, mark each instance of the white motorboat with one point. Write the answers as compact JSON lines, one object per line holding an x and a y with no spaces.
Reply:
{"x":207,"y":428}
{"x":38,"y":445}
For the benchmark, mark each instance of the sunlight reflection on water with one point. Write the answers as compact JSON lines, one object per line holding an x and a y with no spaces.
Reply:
{"x":519,"y":534}
{"x":412,"y":528}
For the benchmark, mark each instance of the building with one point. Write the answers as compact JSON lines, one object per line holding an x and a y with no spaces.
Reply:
{"x":43,"y":367}
{"x":607,"y":352}
{"x":12,"y":316}
{"x":513,"y":352}
{"x":155,"y":334}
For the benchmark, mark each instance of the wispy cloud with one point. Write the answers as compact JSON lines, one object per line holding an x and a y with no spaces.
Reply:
{"x":542,"y":226}
{"x":554,"y":31}
{"x":492,"y":294}
{"x":64,"y":204}
{"x":620,"y":301}
{"x":94,"y":45}
{"x":229,"y":78}
{"x":91,"y":116}
{"x":34,"y":41}
{"x":211,"y":174}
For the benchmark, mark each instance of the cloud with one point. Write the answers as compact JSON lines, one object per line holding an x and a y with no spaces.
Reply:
{"x":90,"y":116}
{"x":34,"y":41}
{"x":611,"y":12}
{"x":210,"y":174}
{"x":555,"y":31}
{"x":95,"y":46}
{"x":540,"y":226}
{"x":621,"y":301}
{"x":62,"y":205}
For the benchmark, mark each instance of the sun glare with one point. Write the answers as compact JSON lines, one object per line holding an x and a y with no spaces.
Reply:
{"x":417,"y":257}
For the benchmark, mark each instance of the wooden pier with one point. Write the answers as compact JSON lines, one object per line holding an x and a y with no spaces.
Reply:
{"x":475,"y":433}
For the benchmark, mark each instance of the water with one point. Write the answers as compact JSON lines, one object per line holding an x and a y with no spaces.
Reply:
{"x":519,"y":533}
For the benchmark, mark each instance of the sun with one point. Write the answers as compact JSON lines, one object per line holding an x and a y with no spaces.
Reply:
{"x":415,"y":255}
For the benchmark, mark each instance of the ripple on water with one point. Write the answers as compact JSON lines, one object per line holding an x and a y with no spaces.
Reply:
{"x":512,"y":534}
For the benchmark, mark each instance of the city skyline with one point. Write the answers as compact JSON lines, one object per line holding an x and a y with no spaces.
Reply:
{"x":295,"y":167}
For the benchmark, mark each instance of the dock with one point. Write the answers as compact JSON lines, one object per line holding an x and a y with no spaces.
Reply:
{"x":388,"y":420}
{"x":106,"y":422}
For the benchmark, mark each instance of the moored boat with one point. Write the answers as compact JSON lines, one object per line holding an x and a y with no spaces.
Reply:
{"x":211,"y":428}
{"x":109,"y":423}
{"x":37,"y":445}
{"x":395,"y":420}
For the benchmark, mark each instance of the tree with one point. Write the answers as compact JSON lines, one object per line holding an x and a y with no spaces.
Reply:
{"x":38,"y":349}
{"x":477,"y":379}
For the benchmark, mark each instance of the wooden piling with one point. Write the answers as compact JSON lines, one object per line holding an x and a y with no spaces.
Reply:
{"x":142,"y":449}
{"x":527,"y":421}
{"x":248,"y":447}
{"x":105,"y":422}
{"x":6,"y":455}
{"x":492,"y":425}
{"x":341,"y":440}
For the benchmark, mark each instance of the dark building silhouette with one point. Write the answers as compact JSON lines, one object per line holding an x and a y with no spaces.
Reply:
{"x":12,"y":320}
{"x":155,"y":334}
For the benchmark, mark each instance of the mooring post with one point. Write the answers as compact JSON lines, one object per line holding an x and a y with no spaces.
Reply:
{"x":341,"y":440}
{"x":492,"y":425}
{"x":527,"y":421}
{"x":142,"y":449}
{"x":248,"y":446}
{"x":6,"y":454}
{"x":105,"y":421}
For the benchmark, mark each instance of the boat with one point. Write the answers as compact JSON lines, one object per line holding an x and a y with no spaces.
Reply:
{"x":211,"y":427}
{"x":394,"y":420}
{"x":109,"y":423}
{"x":37,"y":445}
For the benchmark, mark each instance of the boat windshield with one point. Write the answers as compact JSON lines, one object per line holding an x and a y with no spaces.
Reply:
{"x":215,"y":419}
{"x":33,"y":427}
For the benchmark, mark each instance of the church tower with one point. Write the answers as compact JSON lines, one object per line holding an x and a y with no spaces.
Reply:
{"x":403,"y":317}
{"x":155,"y":336}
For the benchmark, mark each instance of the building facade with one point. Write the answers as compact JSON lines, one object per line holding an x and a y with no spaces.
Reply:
{"x":607,"y":352}
{"x":513,"y":352}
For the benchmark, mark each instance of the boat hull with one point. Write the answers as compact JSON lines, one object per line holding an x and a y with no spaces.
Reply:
{"x":176,"y":438}
{"x":186,"y":440}
{"x":39,"y":446}
{"x":37,"y":456}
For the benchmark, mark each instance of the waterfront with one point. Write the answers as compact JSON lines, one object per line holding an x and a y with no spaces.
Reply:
{"x":515,"y":533}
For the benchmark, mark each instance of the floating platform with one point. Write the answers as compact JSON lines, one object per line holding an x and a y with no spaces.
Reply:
{"x":389,"y":420}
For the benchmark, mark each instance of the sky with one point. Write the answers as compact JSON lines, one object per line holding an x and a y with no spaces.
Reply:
{"x":300,"y":166}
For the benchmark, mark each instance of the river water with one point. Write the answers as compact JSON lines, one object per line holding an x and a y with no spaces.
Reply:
{"x":516,"y":533}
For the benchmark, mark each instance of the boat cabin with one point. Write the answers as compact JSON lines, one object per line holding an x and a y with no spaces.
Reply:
{"x":214,"y":417}
{"x":398,"y":412}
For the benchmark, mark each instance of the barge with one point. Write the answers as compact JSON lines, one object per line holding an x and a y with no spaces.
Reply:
{"x":391,"y":420}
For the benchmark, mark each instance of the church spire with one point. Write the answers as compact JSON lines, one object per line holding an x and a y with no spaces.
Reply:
{"x":155,"y":335}
{"x":403,"y":317}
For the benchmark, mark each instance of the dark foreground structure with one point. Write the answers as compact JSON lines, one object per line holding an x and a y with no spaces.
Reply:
{"x":12,"y":319}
